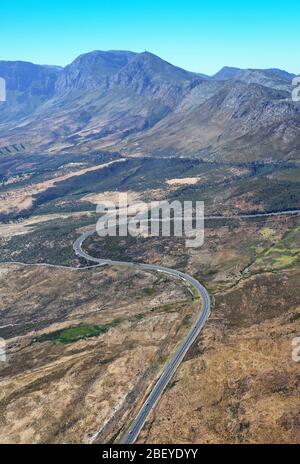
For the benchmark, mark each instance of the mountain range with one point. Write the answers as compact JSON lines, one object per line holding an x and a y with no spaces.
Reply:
{"x":138,"y":104}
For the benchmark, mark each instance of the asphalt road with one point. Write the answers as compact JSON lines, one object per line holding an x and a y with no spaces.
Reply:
{"x":256,"y":215}
{"x":169,"y":370}
{"x":132,"y":433}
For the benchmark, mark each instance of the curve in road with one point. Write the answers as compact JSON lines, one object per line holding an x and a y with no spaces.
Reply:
{"x":169,"y":370}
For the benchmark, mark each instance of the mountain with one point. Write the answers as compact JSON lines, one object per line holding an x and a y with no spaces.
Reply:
{"x":101,"y":98}
{"x":274,"y":79}
{"x":226,"y":73}
{"x":28,"y":86}
{"x":138,"y":104}
{"x":280,"y":73}
{"x":92,"y":70}
{"x":150,"y":68}
{"x":239,"y":121}
{"x":148,"y":75}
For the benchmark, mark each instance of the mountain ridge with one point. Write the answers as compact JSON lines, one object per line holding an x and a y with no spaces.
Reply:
{"x":138,"y":103}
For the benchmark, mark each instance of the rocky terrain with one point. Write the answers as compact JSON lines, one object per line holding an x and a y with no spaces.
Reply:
{"x":85,"y":345}
{"x":82,"y":348}
{"x":239,"y":383}
{"x":139,"y":104}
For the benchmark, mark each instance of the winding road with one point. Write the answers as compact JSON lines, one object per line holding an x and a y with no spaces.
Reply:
{"x":137,"y":424}
{"x":169,"y":370}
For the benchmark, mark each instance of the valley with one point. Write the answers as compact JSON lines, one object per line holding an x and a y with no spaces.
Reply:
{"x":87,"y":343}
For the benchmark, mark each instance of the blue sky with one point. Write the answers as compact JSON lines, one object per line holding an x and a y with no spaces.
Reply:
{"x":199,"y":36}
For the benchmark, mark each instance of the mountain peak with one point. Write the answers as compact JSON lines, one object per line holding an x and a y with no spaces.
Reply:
{"x":226,"y":73}
{"x":148,"y":66}
{"x":91,"y":70}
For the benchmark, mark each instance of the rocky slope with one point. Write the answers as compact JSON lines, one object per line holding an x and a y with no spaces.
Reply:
{"x":138,"y":103}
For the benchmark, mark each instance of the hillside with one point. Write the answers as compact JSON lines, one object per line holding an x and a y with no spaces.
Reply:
{"x":139,"y":104}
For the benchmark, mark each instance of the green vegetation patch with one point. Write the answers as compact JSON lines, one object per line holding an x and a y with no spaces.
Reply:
{"x":267,"y":233}
{"x":282,"y":254}
{"x":73,"y":334}
{"x":283,"y":261}
{"x":295,"y":317}
{"x":149,"y":291}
